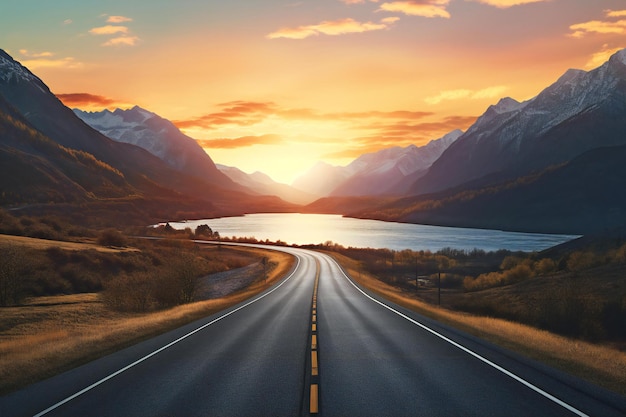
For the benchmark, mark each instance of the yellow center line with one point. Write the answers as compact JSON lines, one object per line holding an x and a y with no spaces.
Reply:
{"x":314,"y":408}
{"x":314,"y":396}
{"x":314,"y":362}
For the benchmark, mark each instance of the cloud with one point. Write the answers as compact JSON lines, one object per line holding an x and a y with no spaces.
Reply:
{"x":28,"y":54}
{"x":615,"y":13}
{"x":118,"y":19}
{"x":68,"y":22}
{"x":122,"y":41}
{"x":241,"y":142}
{"x":603,"y":27}
{"x":357,"y":1}
{"x":601,"y":57}
{"x":46,"y":60}
{"x":247,"y":113}
{"x":424,"y":8}
{"x":108,"y":30}
{"x":489,"y":92}
{"x":235,"y":113}
{"x":504,"y":4}
{"x":86,"y":100}
{"x":332,"y":28}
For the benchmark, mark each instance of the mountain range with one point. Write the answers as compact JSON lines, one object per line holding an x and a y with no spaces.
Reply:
{"x":162,"y":139}
{"x":73,"y":163}
{"x":553,"y":163}
{"x":390,"y":171}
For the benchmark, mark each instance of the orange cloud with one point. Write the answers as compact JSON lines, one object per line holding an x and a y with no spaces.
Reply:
{"x":122,"y":41}
{"x":45,"y":60}
{"x":603,"y":27}
{"x":503,"y":4}
{"x":118,"y":19}
{"x":89,"y":101}
{"x":424,"y":8}
{"x":242,"y":142}
{"x":615,"y":13}
{"x":489,"y":92}
{"x":332,"y":28}
{"x":108,"y":30}
{"x":247,"y":113}
{"x":601,"y":57}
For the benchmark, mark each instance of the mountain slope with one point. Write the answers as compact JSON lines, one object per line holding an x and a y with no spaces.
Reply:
{"x":158,"y":136}
{"x":580,"y":112}
{"x":390,"y":171}
{"x":385,"y":172}
{"x":150,"y":177}
{"x":37,"y":170}
{"x":584,"y":195}
{"x":262,"y":184}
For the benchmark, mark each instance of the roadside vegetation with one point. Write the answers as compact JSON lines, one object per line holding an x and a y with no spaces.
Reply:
{"x":68,"y":298}
{"x":565,"y":307}
{"x":578,"y":293}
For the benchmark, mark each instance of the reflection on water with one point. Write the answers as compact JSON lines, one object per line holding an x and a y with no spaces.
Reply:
{"x":294,"y":228}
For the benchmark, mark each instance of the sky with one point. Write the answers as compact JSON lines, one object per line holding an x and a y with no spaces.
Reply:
{"x":278,"y":85}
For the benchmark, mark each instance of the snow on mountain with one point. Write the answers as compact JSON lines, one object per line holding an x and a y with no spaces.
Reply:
{"x":374,"y":173}
{"x":158,"y":136}
{"x":13,"y":71}
{"x":513,"y":137}
{"x":382,"y":172}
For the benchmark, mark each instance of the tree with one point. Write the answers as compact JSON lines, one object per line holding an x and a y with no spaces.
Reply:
{"x":203,"y":230}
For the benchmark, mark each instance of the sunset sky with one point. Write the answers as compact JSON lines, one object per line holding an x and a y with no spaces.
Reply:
{"x":276,"y":85}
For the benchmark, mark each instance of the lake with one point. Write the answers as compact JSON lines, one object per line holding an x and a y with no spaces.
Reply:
{"x":301,"y":229}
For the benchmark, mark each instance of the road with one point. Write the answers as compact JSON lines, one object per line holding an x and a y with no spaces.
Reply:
{"x":315,"y":342}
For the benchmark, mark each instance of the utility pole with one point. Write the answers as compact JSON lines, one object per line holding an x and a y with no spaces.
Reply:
{"x":439,"y":288}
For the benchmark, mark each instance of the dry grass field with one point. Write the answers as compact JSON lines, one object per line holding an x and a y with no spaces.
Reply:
{"x":47,"y":335}
{"x":602,"y":365}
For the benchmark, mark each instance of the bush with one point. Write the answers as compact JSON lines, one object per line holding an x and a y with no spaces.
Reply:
{"x":111,"y":237}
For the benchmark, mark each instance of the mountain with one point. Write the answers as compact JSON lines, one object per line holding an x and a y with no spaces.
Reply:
{"x":579,"y":112}
{"x":584,"y":195}
{"x":158,"y":136}
{"x":38,"y":170}
{"x":321,"y":179}
{"x":143,"y":177}
{"x":386,"y":172}
{"x":262,"y":184}
{"x":392,"y":170}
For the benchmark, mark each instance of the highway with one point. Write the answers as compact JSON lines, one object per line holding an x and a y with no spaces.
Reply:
{"x":313,"y":344}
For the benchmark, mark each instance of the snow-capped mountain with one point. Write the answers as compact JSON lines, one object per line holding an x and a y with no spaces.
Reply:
{"x":158,"y":136}
{"x":388,"y":171}
{"x":579,"y":112}
{"x":264,"y":185}
{"x":70,"y":161}
{"x":392,"y":170}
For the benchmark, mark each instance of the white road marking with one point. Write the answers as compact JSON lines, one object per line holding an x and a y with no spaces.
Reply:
{"x":468,"y":351}
{"x":138,"y":361}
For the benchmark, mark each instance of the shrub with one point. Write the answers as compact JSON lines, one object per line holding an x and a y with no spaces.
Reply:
{"x":111,"y":237}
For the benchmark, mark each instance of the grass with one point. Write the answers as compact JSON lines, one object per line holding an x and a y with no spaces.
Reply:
{"x":42,"y":244}
{"x":601,"y":365}
{"x":49,"y":335}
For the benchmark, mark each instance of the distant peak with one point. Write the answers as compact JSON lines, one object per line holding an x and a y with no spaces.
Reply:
{"x":619,"y":57}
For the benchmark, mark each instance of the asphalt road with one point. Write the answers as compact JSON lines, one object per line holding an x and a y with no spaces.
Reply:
{"x":258,"y":359}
